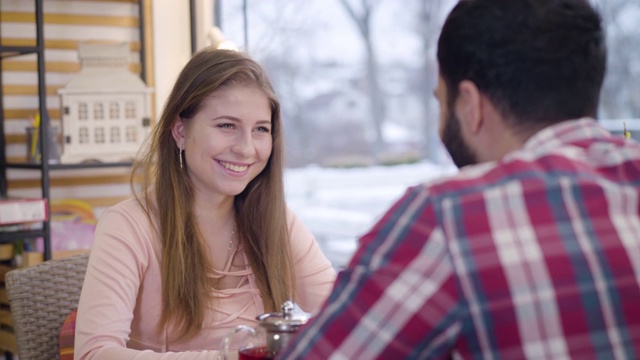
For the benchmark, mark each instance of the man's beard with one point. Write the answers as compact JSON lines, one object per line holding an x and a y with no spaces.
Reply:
{"x":460,"y":152}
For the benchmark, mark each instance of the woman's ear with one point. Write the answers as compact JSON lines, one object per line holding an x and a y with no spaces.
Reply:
{"x":469,"y":106}
{"x":178,"y":130}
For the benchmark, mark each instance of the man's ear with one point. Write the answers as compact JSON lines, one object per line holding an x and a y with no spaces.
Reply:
{"x":469,"y":106}
{"x":179,"y":132}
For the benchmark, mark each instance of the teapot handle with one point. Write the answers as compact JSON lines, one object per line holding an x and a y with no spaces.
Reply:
{"x":227,"y":339}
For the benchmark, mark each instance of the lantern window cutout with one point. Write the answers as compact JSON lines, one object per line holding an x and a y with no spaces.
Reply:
{"x":106,"y":108}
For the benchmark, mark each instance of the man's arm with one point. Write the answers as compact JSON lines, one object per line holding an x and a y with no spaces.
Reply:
{"x":398,"y":297}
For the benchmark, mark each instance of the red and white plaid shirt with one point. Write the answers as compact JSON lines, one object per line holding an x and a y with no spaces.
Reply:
{"x":536,"y":256}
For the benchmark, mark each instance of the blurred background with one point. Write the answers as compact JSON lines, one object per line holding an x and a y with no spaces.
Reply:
{"x":356,"y":81}
{"x":356,"y":77}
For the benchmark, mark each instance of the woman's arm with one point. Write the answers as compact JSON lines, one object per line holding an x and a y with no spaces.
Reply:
{"x":314,"y":274}
{"x":119,"y":258}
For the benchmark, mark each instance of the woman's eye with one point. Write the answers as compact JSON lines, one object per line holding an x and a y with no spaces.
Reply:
{"x":225,"y":126}
{"x":264,"y":129}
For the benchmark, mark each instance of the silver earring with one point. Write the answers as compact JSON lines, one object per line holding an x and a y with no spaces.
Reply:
{"x":180,"y":154}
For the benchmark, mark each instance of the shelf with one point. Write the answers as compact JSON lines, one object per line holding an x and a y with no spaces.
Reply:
{"x":45,"y":167}
{"x":8,"y":237}
{"x":87,"y":165}
{"x":11,"y":51}
{"x":21,"y":166}
{"x":44,"y":231}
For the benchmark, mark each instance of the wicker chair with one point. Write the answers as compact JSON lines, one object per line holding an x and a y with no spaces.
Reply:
{"x":40,"y":298}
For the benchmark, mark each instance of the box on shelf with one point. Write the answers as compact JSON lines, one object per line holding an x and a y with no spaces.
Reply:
{"x":21,"y":258}
{"x":30,"y":258}
{"x":22,"y":210}
{"x":6,"y":252}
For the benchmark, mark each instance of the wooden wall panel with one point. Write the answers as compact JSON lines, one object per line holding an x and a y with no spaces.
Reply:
{"x":66,"y":23}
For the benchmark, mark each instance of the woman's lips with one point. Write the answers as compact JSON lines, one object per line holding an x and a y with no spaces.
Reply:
{"x":233,"y":167}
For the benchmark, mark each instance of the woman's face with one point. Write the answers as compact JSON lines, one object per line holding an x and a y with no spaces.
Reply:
{"x":228,"y":142}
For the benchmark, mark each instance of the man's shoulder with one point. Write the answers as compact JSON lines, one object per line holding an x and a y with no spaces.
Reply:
{"x":475,"y":181}
{"x":468,"y":179}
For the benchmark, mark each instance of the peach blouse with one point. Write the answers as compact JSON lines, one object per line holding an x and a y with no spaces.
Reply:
{"x":120,"y":303}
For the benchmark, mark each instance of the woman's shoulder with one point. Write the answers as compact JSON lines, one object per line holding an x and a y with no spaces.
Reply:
{"x":299,"y":233}
{"x":130,"y":207}
{"x":127,"y":223}
{"x":128,"y":211}
{"x":292,"y":219}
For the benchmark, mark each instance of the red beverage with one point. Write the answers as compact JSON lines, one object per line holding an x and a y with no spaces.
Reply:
{"x":257,"y":353}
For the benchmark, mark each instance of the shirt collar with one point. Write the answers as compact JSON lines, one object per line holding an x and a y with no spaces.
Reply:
{"x":564,"y":132}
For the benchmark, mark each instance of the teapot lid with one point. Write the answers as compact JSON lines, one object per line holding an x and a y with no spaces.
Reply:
{"x":288,"y":320}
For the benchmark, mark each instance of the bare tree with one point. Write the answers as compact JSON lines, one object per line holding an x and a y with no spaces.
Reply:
{"x":620,"y":97}
{"x":429,"y":23}
{"x":289,"y":64}
{"x":362,"y":19}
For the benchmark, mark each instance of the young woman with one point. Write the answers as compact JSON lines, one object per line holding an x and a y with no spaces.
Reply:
{"x":208,"y":242}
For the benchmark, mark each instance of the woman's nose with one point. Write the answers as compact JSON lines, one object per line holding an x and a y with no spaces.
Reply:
{"x":244,"y":144}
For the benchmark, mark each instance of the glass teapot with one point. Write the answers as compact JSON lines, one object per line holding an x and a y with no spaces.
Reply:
{"x":273,"y":332}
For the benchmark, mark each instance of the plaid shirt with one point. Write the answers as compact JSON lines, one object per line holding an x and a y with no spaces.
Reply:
{"x":536,"y":256}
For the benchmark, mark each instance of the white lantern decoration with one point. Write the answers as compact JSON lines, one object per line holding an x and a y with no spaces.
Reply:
{"x":105,"y":108}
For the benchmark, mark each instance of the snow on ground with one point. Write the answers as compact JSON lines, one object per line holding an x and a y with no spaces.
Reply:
{"x":339,"y":205}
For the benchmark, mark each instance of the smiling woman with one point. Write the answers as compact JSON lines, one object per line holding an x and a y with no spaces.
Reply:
{"x":209,"y":242}
{"x":227,"y":143}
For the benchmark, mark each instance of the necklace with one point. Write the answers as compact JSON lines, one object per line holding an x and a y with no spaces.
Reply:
{"x":229,"y":253}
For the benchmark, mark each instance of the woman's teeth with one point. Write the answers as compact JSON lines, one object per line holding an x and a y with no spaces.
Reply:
{"x":235,"y":168}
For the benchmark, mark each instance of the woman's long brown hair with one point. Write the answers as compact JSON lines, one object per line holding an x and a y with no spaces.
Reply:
{"x":166,"y":193}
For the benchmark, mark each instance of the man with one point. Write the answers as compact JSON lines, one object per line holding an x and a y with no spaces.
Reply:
{"x":531,"y":251}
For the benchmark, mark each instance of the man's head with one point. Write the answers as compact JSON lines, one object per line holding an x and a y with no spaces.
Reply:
{"x":537,"y":62}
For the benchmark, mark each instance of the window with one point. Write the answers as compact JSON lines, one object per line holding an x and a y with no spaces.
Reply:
{"x":115,"y":134}
{"x":130,"y":110}
{"x":98,"y":111}
{"x":114,"y":110}
{"x":99,"y":135}
{"x":316,"y":55}
{"x":83,"y":135}
{"x":83,"y":112}
{"x":335,"y":115}
{"x":132,"y":134}
{"x":338,"y":110}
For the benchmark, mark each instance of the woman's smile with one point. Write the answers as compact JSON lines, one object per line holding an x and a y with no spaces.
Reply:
{"x":233,"y":167}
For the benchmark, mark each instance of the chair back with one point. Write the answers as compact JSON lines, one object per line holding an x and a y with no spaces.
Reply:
{"x":40,"y":298}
